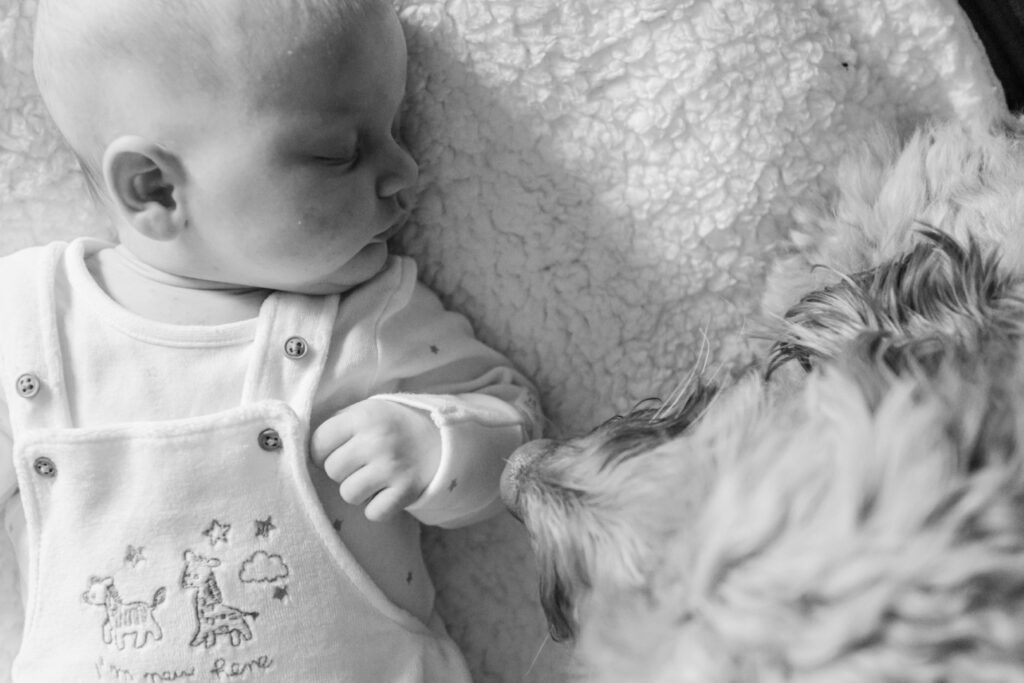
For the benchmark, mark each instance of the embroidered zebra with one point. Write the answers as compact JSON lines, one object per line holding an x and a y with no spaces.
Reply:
{"x":123,"y":619}
{"x":213,"y":617}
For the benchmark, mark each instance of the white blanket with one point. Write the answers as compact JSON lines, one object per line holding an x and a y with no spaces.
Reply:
{"x":604,"y":182}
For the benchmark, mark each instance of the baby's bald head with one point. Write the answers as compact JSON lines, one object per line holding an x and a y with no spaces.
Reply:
{"x":108,"y":68}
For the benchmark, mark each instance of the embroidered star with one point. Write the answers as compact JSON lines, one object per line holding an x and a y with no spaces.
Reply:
{"x":434,"y":350}
{"x":452,"y":485}
{"x":133,"y":555}
{"x":217,"y":532}
{"x":280,"y":592}
{"x":264,"y":527}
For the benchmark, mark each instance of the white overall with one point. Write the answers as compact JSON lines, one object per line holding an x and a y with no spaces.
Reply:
{"x":193,"y":549}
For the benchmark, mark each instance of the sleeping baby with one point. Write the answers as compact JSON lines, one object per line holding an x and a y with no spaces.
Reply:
{"x":223,"y":430}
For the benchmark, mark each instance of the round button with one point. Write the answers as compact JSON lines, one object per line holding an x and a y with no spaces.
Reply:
{"x":44,"y":467}
{"x":269,"y":440}
{"x":28,"y":385}
{"x":295,"y":347}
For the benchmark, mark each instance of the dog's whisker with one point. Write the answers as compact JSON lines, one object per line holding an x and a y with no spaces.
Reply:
{"x":536,"y":657}
{"x":682,"y":389}
{"x":691,"y":384}
{"x":677,"y":396}
{"x":713,"y":378}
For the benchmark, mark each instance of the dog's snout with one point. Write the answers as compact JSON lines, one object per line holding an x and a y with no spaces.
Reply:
{"x":516,"y":469}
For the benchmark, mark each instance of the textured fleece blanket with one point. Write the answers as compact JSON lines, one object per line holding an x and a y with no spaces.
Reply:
{"x":604,"y":183}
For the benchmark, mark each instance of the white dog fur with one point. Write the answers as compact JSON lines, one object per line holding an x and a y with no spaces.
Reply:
{"x":860,"y":519}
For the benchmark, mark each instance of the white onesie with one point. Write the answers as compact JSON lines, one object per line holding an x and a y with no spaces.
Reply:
{"x":173,"y":527}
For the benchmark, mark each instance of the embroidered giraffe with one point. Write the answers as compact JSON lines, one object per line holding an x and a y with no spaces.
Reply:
{"x":213,"y":617}
{"x":123,"y":619}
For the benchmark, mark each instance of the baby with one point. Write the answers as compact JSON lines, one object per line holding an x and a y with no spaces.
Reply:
{"x":222,"y":432}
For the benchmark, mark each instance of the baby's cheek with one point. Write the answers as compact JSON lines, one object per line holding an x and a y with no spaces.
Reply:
{"x":338,"y":223}
{"x":320,"y":221}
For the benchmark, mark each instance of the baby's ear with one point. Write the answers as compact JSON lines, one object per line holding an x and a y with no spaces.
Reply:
{"x":145,"y":183}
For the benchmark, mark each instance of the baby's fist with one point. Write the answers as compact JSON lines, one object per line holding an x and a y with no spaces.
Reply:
{"x":382,"y":454}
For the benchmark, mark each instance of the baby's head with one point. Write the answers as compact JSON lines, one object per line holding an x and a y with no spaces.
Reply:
{"x":248,"y":142}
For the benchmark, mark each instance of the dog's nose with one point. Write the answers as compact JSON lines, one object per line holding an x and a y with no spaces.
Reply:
{"x":516,"y":469}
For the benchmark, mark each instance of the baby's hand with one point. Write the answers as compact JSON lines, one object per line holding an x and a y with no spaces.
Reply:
{"x":381,"y":453}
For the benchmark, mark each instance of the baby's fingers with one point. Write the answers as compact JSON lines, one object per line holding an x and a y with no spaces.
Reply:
{"x":334,"y":433}
{"x":343,"y":463}
{"x":360,"y":486}
{"x":381,"y":496}
{"x":386,"y":504}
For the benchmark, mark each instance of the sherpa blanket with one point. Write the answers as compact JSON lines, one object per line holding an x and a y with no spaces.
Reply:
{"x":604,"y":184}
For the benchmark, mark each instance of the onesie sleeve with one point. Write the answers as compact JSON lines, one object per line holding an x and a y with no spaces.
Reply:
{"x":428,"y":358}
{"x":8,"y":478}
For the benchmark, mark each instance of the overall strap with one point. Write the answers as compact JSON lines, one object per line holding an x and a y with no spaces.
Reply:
{"x":32,"y":369}
{"x":290,"y":350}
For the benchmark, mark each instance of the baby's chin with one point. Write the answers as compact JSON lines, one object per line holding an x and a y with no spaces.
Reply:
{"x":362,"y":267}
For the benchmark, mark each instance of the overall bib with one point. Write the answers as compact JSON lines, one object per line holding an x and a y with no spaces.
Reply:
{"x":193,"y":549}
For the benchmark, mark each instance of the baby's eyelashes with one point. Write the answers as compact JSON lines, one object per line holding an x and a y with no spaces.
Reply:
{"x":342,"y":158}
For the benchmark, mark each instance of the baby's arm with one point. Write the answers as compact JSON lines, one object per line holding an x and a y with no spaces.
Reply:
{"x":462,"y":407}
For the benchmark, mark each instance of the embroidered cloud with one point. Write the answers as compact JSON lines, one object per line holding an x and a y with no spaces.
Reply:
{"x":263,"y":568}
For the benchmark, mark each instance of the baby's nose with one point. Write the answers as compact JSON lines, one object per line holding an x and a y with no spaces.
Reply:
{"x":400,"y":173}
{"x":517,"y":469}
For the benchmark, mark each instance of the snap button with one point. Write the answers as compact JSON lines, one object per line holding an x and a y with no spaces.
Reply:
{"x":44,"y":467}
{"x":28,"y":385}
{"x":295,"y":347}
{"x":269,"y":440}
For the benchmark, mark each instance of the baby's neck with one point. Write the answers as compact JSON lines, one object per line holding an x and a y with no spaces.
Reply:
{"x":163,"y":297}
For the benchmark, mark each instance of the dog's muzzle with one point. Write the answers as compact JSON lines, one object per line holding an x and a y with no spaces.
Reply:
{"x":517,"y":468}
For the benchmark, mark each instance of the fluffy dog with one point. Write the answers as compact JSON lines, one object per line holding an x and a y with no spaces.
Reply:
{"x":852,"y":510}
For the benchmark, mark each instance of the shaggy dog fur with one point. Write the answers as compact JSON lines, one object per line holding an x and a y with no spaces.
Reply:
{"x":854,"y":509}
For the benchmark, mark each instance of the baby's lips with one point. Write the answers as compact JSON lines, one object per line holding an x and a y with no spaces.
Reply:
{"x":395,"y":228}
